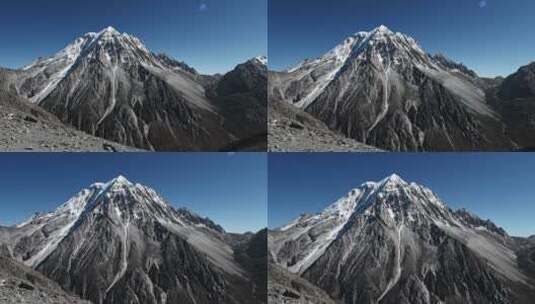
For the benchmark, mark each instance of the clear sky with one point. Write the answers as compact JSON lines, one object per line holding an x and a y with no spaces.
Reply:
{"x":210,"y":35}
{"x":493,"y":37}
{"x":228,"y":188}
{"x":496,"y":186}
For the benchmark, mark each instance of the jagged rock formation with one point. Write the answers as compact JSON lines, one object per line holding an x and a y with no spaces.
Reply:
{"x":397,"y":242}
{"x":110,"y":85}
{"x":120,"y":242}
{"x":383,"y":89}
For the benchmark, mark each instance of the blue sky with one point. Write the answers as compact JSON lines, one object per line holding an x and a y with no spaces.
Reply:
{"x":497,"y":186}
{"x":493,"y":37}
{"x":228,"y":188}
{"x":210,"y":35}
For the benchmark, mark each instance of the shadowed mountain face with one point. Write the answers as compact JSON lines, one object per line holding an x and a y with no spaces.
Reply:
{"x":241,"y":96}
{"x":120,"y":242}
{"x":397,"y":242}
{"x":383,"y":89}
{"x":520,"y":84}
{"x":110,"y":85}
{"x":515,"y":97}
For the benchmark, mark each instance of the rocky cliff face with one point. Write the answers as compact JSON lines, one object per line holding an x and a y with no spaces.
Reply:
{"x":383,"y":89}
{"x":120,"y":242}
{"x":397,"y":242}
{"x":110,"y":85}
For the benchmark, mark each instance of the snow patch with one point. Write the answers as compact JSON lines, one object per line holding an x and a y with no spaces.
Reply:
{"x":262,"y":59}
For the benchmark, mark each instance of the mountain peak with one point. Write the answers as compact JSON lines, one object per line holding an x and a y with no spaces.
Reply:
{"x":109,"y":30}
{"x":114,"y":183}
{"x":261,"y":59}
{"x":120,"y":179}
{"x":392,"y":179}
{"x":394,"y":176}
{"x":382,"y":29}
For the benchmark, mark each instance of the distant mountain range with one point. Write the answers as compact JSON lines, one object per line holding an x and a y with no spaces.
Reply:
{"x":120,"y":242}
{"x":382,"y":89}
{"x":109,"y":84}
{"x":396,"y":242}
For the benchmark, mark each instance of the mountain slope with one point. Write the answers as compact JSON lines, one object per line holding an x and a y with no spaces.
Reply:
{"x":381,"y":88}
{"x":395,"y":242}
{"x":27,"y":127}
{"x":110,"y":85}
{"x":287,"y":288}
{"x":291,"y":129}
{"x":120,"y":242}
{"x":294,"y":130}
{"x":21,"y":284}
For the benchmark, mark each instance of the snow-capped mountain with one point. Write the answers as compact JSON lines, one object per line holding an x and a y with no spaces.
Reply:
{"x":396,"y":242}
{"x":108,"y":46}
{"x":109,"y":84}
{"x":120,"y":242}
{"x":382,"y":88}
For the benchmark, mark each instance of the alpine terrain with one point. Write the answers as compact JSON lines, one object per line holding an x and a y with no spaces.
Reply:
{"x":108,"y":84}
{"x":120,"y":242}
{"x":381,"y":88}
{"x":396,"y":242}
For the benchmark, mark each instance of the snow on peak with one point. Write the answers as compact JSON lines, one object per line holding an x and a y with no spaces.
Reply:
{"x":262,"y":59}
{"x":109,"y":30}
{"x":393,"y":179}
{"x":120,"y":179}
{"x":382,"y":29}
{"x":382,"y":35}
